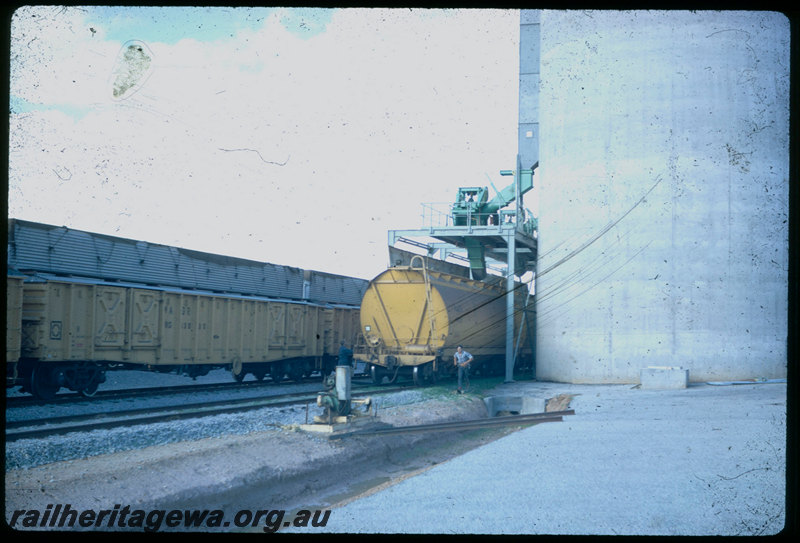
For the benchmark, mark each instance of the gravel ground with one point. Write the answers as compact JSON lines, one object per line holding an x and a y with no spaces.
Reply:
{"x":28,"y":453}
{"x":215,"y":462}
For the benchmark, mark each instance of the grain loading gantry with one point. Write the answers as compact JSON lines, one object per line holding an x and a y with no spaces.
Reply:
{"x":486,"y":229}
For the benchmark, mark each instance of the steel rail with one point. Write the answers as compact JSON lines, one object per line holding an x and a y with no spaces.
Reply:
{"x":472,"y":424}
{"x":74,"y":397}
{"x":16,"y":430}
{"x":68,"y":398}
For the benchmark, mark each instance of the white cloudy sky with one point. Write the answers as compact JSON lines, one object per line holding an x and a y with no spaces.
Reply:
{"x":297,"y":137}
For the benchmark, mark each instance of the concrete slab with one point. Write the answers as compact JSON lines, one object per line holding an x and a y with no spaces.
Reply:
{"x":705,"y":460}
{"x":515,"y":405}
{"x":660,"y":377}
{"x":340,"y":424}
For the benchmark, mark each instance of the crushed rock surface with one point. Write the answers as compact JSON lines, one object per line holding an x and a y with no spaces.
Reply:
{"x":202,"y":471}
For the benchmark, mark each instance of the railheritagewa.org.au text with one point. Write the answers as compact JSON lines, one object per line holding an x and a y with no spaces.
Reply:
{"x":65,"y":517}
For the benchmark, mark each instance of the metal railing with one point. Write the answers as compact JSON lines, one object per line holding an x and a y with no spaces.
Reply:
{"x":439,"y":214}
{"x":436,"y":214}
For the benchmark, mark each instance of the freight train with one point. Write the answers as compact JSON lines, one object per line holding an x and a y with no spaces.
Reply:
{"x":413,"y":318}
{"x":80,"y":304}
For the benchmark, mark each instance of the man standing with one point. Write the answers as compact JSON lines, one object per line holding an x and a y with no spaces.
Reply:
{"x":345,"y":355}
{"x":462,"y":358}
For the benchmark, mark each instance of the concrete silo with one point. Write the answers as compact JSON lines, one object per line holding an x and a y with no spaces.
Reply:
{"x":663,"y":148}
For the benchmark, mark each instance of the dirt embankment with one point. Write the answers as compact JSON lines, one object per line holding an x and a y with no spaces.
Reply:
{"x":278,"y":469}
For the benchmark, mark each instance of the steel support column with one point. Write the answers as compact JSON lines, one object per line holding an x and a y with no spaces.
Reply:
{"x":510,"y":284}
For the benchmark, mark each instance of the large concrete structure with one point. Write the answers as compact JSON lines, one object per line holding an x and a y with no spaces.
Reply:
{"x":663,"y":143}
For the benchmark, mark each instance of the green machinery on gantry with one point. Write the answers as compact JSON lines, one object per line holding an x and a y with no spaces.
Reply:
{"x":473,"y":208}
{"x":487,"y":229}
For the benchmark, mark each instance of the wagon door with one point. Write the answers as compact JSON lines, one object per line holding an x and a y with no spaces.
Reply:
{"x":143,"y":327}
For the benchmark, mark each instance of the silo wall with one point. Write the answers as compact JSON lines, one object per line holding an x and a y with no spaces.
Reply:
{"x":663,"y":194}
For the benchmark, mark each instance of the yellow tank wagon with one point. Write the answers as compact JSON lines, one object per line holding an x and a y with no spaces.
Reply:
{"x":413,"y":318}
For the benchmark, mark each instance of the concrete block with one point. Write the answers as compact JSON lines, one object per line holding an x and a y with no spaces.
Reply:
{"x":664,"y":377}
{"x":521,"y":405}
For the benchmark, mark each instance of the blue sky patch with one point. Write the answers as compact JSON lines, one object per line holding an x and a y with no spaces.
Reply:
{"x":171,"y":24}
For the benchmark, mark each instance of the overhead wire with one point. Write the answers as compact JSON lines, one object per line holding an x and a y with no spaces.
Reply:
{"x":600,"y":234}
{"x":575,"y":252}
{"x":608,"y":255}
{"x":574,"y":279}
{"x":544,"y":314}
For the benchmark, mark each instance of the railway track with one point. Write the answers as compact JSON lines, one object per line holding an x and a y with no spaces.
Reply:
{"x":474,"y":424}
{"x":70,"y":398}
{"x":52,"y":426}
{"x":120,"y":394}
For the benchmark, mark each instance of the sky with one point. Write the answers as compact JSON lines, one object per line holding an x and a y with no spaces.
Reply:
{"x":292,"y":136}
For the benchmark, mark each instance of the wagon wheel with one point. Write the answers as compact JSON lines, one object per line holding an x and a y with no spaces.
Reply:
{"x":296,"y":372}
{"x":91,"y":389}
{"x":428,"y":375}
{"x":237,"y":371}
{"x":417,"y":375}
{"x":276,"y":371}
{"x":43,"y":383}
{"x":377,"y":373}
{"x":259,"y":374}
